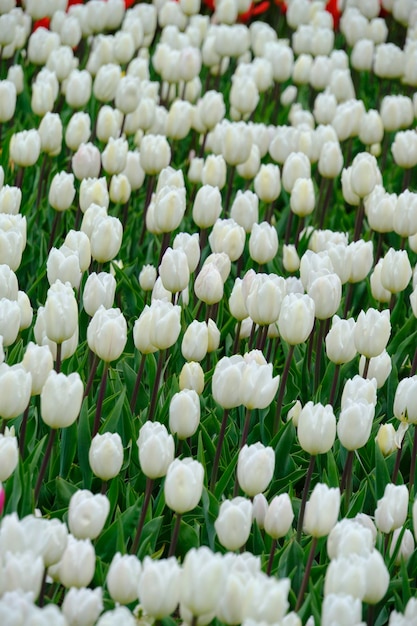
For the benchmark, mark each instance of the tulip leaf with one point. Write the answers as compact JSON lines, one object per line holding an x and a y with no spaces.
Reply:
{"x":108,"y":541}
{"x":188,"y":538}
{"x":150,"y":535}
{"x":225,"y":476}
{"x":210,"y":510}
{"x":112,"y":421}
{"x":68,"y":448}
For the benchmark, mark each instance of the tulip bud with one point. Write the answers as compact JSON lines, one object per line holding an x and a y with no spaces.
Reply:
{"x":160,"y":586}
{"x":78,"y":86}
{"x":258,"y":387}
{"x":156,"y":449}
{"x":391,"y":511}
{"x":403,"y":547}
{"x":183,"y":484}
{"x":395,"y":270}
{"x":234,"y":523}
{"x":107,"y":333}
{"x":82,"y":606}
{"x":385,"y":439}
{"x":372,"y":331}
{"x":61,"y":391}
{"x":99,"y":290}
{"x":192,"y":377}
{"x":123,"y":577}
{"x":263,"y":242}
{"x":336,"y":604}
{"x":155,"y":154}
{"x":207,"y":206}
{"x":316,"y":428}
{"x":87,"y":514}
{"x":379,"y":367}
{"x":340,"y":347}
{"x":184,"y":413}
{"x":39,"y":362}
{"x":106,"y":455}
{"x":267,"y":599}
{"x":15,"y":388}
{"x":9,"y":454}
{"x":297,"y":165}
{"x":208,"y":285}
{"x":255,"y":468}
{"x":86,"y":162}
{"x":147,"y":277}
{"x":61,"y":312}
{"x":77,"y":564}
{"x":267,"y":183}
{"x":78,"y":131}
{"x":62,"y":191}
{"x":279,"y":516}
{"x":106,"y":238}
{"x":296,"y":318}
{"x":259,"y":509}
{"x":63,"y":264}
{"x":25,"y":147}
{"x":322,"y":510}
{"x":7,"y":99}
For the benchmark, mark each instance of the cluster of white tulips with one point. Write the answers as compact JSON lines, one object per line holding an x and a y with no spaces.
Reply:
{"x":208,"y":294}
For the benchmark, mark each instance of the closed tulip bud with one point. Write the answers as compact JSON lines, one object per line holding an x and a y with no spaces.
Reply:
{"x":109,"y":123}
{"x":259,"y":509}
{"x":326,"y":291}
{"x":391,"y":511}
{"x":268,"y":183}
{"x":156,"y":449}
{"x":258,"y":387}
{"x":405,"y":214}
{"x":322,"y":510}
{"x":234,"y":523}
{"x":120,"y":189}
{"x":364,"y":174}
{"x":106,"y":455}
{"x":213,"y":172}
{"x":385,"y":439}
{"x":22,"y":571}
{"x":25,"y":147}
{"x":87,"y":514}
{"x":86,"y":162}
{"x":236,"y":301}
{"x":194,"y":345}
{"x":160,"y":586}
{"x":192,"y":377}
{"x":99,"y":290}
{"x":316,"y":428}
{"x":267,"y":599}
{"x":155,"y":154}
{"x":123,"y":577}
{"x":61,"y":312}
{"x":7,"y":99}
{"x":279,"y":516}
{"x":184,"y":413}
{"x":190,"y":245}
{"x":264,"y":298}
{"x":377,"y":578}
{"x":340,"y":347}
{"x":51,"y":132}
{"x":9,"y":320}
{"x":78,"y":86}
{"x":147,"y":277}
{"x":26,"y":311}
{"x":330,"y":160}
{"x":174,"y":270}
{"x":236,"y":143}
{"x":120,"y":615}
{"x":244,"y":210}
{"x":78,"y":130}
{"x":107,"y":333}
{"x":133,"y":170}
{"x":208,"y":285}
{"x":62,"y":191}
{"x":93,"y":191}
{"x":106,"y":82}
{"x":207,"y":206}
{"x":403,"y":547}
{"x":372,"y":332}
{"x":106,"y":238}
{"x":79,"y":242}
{"x":227,"y":236}
{"x":202,"y":579}
{"x":355,"y":423}
{"x":10,"y":200}
{"x":83,"y":606}
{"x":395,"y":270}
{"x":297,"y":165}
{"x":15,"y":388}
{"x":405,"y":407}
{"x":362,"y":259}
{"x":9,"y":454}
{"x":77,"y":564}
{"x":183,"y":485}
{"x":165,"y":327}
{"x":255,"y":468}
{"x":302,"y":200}
{"x":358,"y":389}
{"x":114,"y":155}
{"x":290,"y":258}
{"x":263,"y":242}
{"x":61,"y":399}
{"x":63,"y":264}
{"x":296,"y":318}
{"x":39,"y":362}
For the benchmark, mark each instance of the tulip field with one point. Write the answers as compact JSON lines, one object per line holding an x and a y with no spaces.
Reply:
{"x":208,"y":303}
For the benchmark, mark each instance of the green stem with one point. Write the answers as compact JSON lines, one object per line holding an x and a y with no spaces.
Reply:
{"x":282,"y":385}
{"x":219,"y":450}
{"x":175,"y":534}
{"x":161,"y":359}
{"x":100,"y":399}
{"x":306,"y":574}
{"x":145,"y":505}
{"x":271,"y":556}
{"x":137,"y":383}
{"x":45,"y":461}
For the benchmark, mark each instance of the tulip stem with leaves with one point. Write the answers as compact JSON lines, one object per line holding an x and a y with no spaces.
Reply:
{"x":346,"y":481}
{"x":175,"y":535}
{"x":281,"y":391}
{"x":271,"y":556}
{"x":148,"y":492}
{"x":93,"y":371}
{"x":22,"y":434}
{"x":306,"y":576}
{"x":334,"y":384}
{"x":159,"y":366}
{"x":45,"y":461}
{"x":137,"y":383}
{"x":413,"y":464}
{"x":219,"y":447}
{"x":304,"y":496}
{"x":231,"y":176}
{"x":100,"y":399}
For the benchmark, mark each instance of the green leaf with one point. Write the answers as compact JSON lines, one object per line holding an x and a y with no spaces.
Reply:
{"x":84,"y":442}
{"x":382,"y":477}
{"x":67,"y":449}
{"x":111,"y":423}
